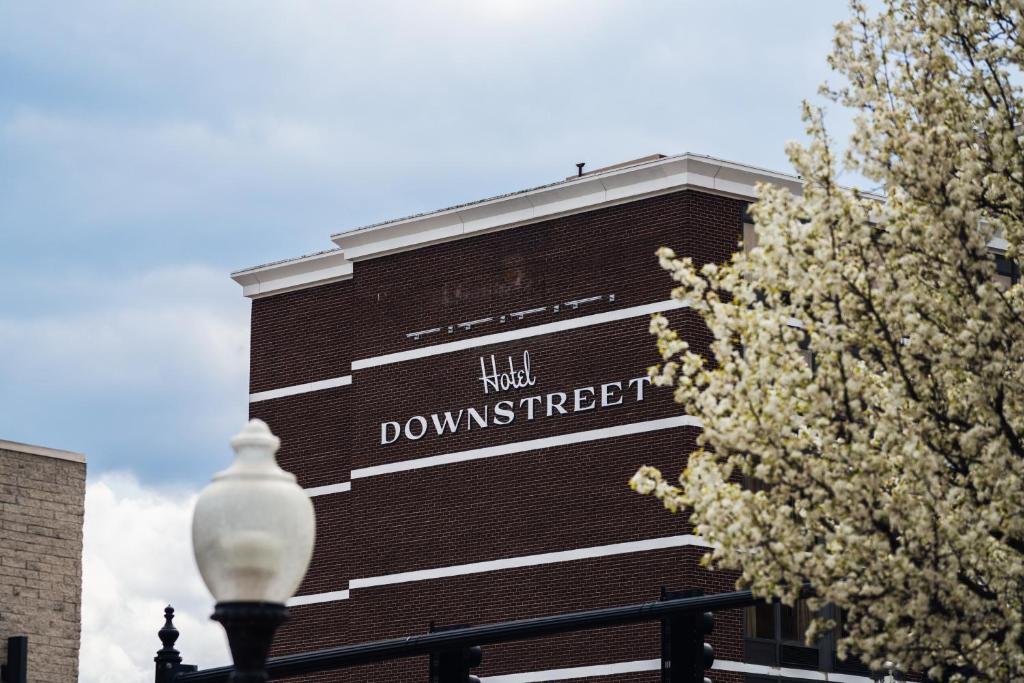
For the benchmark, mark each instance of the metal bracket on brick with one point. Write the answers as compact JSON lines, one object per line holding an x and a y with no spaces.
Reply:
{"x":472,"y":323}
{"x":576,"y":303}
{"x":503,"y":318}
{"x":519,"y":315}
{"x":415,"y":336}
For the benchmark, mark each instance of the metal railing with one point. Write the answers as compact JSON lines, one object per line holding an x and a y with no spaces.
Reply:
{"x":474,"y":636}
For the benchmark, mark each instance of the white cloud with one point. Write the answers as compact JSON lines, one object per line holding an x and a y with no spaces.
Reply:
{"x":137,"y":559}
{"x":147,"y":371}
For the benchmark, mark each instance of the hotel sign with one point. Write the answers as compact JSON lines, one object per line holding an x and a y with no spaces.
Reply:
{"x":498,"y":377}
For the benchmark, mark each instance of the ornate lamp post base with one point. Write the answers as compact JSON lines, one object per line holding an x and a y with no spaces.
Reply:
{"x":250,"y":627}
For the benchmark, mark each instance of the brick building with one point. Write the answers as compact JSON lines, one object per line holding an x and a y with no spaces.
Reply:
{"x":463,"y":393}
{"x":42,"y":491}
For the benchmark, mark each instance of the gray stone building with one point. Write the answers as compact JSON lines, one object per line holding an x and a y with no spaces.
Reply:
{"x":42,"y":498}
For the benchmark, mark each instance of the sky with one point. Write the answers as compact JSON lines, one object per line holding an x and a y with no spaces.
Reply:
{"x":147,"y":150}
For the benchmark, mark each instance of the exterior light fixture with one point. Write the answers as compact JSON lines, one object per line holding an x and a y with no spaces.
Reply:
{"x":893,"y":674}
{"x":252,"y":534}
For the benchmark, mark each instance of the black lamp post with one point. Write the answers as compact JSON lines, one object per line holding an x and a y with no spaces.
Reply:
{"x":252,"y":534}
{"x":168,"y":659}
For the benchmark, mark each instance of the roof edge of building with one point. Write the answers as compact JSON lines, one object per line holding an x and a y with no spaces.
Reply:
{"x":594,"y":190}
{"x":292,"y":274}
{"x":44,"y":451}
{"x":572,"y":195}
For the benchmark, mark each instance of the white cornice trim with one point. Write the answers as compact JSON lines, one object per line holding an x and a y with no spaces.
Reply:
{"x":575,"y":195}
{"x":586,"y":193}
{"x":45,"y":452}
{"x":287,"y":276}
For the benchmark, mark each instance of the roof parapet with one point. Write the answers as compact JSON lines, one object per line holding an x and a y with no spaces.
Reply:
{"x":285,"y":276}
{"x":615,"y":184}
{"x":44,"y":451}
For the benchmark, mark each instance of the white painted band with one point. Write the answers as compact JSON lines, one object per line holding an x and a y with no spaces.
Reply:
{"x":523,"y":333}
{"x":523,"y":446}
{"x":640,"y":665}
{"x":317,"y":598}
{"x":530,"y":560}
{"x":787,"y":672}
{"x":343,"y":487}
{"x":576,"y":672}
{"x":685,"y":540}
{"x":301,"y":388}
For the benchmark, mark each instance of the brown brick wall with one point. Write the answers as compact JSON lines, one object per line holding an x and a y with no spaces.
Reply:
{"x":607,"y":251}
{"x":301,"y":336}
{"x":41,"y":561}
{"x":523,"y":504}
{"x":315,"y":333}
{"x":560,"y":498}
{"x":316,"y":431}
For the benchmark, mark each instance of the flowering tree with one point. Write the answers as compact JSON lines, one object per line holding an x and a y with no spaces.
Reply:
{"x":863,"y":410}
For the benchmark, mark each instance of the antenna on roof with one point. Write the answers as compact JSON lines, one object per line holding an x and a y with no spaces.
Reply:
{"x":579,"y":168}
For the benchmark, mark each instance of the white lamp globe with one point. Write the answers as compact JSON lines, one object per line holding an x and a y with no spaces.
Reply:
{"x":253,"y":526}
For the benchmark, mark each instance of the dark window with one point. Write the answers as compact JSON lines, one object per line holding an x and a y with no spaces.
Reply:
{"x":775,"y":636}
{"x":1007,"y":271}
{"x":794,"y":621}
{"x":761,"y":621}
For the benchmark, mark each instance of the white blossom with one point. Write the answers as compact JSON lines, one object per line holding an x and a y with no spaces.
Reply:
{"x":892,"y":465}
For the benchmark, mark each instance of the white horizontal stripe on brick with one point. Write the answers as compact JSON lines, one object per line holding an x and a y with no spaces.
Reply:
{"x":685,"y":540}
{"x":317,"y":598}
{"x":343,"y":487}
{"x":576,"y":672}
{"x":787,"y":672}
{"x":523,"y":446}
{"x":522,"y":333}
{"x":301,"y":388}
{"x":531,"y":560}
{"x":639,"y":665}
{"x":840,"y":678}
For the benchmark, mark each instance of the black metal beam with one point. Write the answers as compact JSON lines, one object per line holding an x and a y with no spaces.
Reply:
{"x":16,"y":668}
{"x":395,"y":648}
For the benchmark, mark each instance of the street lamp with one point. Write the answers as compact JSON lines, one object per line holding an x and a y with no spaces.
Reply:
{"x":252,"y":534}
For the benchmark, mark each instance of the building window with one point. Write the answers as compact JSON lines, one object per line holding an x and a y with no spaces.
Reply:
{"x":794,"y":621}
{"x":774,"y":635}
{"x":1007,"y":272}
{"x":749,"y":236}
